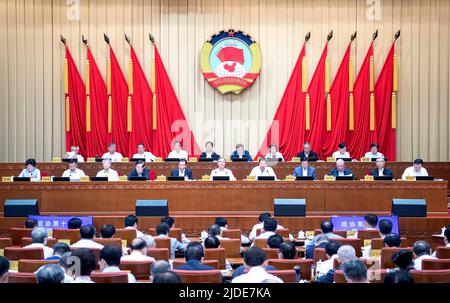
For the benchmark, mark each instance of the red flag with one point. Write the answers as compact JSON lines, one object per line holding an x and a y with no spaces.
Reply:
{"x":318,"y":105}
{"x":75,"y":105}
{"x":288,"y":127}
{"x":97,"y":138}
{"x":339,"y":94}
{"x":171,"y":124}
{"x":383,"y":97}
{"x":119,"y":94}
{"x":141,"y":107}
{"x":359,"y":140}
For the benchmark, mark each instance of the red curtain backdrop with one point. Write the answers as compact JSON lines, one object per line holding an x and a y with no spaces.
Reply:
{"x":141,"y":108}
{"x":318,"y":105}
{"x":119,"y":94}
{"x":359,"y":140}
{"x":171,"y":122}
{"x":77,"y":99}
{"x":383,"y":109}
{"x":339,"y":93}
{"x":98,"y":138}
{"x":288,"y":128}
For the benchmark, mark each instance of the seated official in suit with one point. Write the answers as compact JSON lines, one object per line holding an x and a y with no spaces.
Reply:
{"x":262,"y":169}
{"x":274,"y":153}
{"x":193,"y":255}
{"x":74,"y":154}
{"x":113,"y":154}
{"x":209,"y":152}
{"x":416,"y":170}
{"x":240,"y":153}
{"x":30,"y":171}
{"x":107,"y":171}
{"x":73,"y":172}
{"x":141,"y":171}
{"x":182,"y":170}
{"x":342,"y":152}
{"x":307,"y":152}
{"x":340,"y":169}
{"x":305,"y":170}
{"x":373,"y":154}
{"x":177,"y":152}
{"x":142,"y":154}
{"x":381,"y":170}
{"x":222,"y":171}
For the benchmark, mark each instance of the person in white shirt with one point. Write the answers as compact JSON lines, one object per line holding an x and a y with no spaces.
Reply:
{"x":138,"y":251}
{"x":87,"y":263}
{"x":446,"y":239}
{"x":269,"y":228}
{"x":222,"y":171}
{"x":74,"y":154}
{"x":87,"y":234}
{"x":416,"y":170}
{"x":255,"y":261}
{"x":177,"y":152}
{"x":113,"y":154}
{"x":260,"y":225}
{"x":421,"y":251}
{"x":30,"y":171}
{"x":131,"y":222}
{"x":342,"y":153}
{"x":373,"y":153}
{"x":110,"y":261}
{"x":331,"y":250}
{"x":162,"y":230}
{"x":142,"y":154}
{"x":39,"y":237}
{"x":223,"y":224}
{"x":107,"y":171}
{"x":274,"y":153}
{"x":73,"y":172}
{"x":214,"y":231}
{"x":262,"y":169}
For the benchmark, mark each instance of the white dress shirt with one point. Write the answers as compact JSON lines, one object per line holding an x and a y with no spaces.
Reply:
{"x":256,"y":274}
{"x":86,"y":243}
{"x":82,"y":279}
{"x":48,"y":252}
{"x":268,"y":171}
{"x":257,"y":226}
{"x":131,"y":278}
{"x":74,"y":175}
{"x":372,"y":156}
{"x":324,"y":267}
{"x":418,"y":261}
{"x":71,"y":155}
{"x":278,"y":155}
{"x":136,"y":255}
{"x":178,"y":155}
{"x":411,"y":172}
{"x":223,"y":172}
{"x":111,"y":174}
{"x":35,"y":174}
{"x":338,"y":155}
{"x":148,"y":156}
{"x":116,"y":157}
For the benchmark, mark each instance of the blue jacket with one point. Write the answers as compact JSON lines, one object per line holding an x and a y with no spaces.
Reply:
{"x":386,"y":172}
{"x":214,"y":156}
{"x":298,"y":172}
{"x":246,"y":154}
{"x":187,"y":172}
{"x":335,"y":172}
{"x":194,"y":265}
{"x":328,"y":277}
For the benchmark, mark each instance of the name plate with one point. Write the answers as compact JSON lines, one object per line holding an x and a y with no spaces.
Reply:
{"x":124,"y":243}
{"x":351,"y":233}
{"x":227,"y":159}
{"x":2,"y":252}
{"x":123,"y":178}
{"x":56,"y":160}
{"x":331,"y":159}
{"x":7,"y":179}
{"x":365,"y":159}
{"x":161,"y":178}
{"x":206,"y":178}
{"x":251,"y":178}
{"x":309,"y":233}
{"x":125,"y":160}
{"x":290,"y":178}
{"x":14,"y":266}
{"x":375,"y":253}
{"x":158,"y":159}
{"x":47,"y":179}
{"x":295,"y":159}
{"x":329,"y":178}
{"x":193,"y":160}
{"x":368,"y":178}
{"x":91,"y":160}
{"x":66,"y":241}
{"x":367,"y":242}
{"x":84,"y":179}
{"x":410,"y":178}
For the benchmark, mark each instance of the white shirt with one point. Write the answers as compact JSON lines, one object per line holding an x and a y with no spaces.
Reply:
{"x":87,"y":243}
{"x":35,"y":174}
{"x":116,"y":157}
{"x":338,"y":155}
{"x":372,"y":156}
{"x":265,"y":235}
{"x":381,"y":172}
{"x":278,"y":155}
{"x":305,"y":172}
{"x":410,"y":171}
{"x":74,"y":175}
{"x":252,"y":235}
{"x":325,"y":266}
{"x":147,"y":238}
{"x":131,"y":278}
{"x":178,"y":155}
{"x":71,"y":155}
{"x":268,"y":171}
{"x":223,"y":172}
{"x":48,"y":252}
{"x":136,"y":255}
{"x":148,"y":156}
{"x":256,"y":274}
{"x":418,"y":261}
{"x":82,"y":279}
{"x":111,"y":174}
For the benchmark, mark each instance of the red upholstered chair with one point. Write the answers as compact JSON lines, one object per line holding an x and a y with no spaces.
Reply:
{"x":213,"y":263}
{"x":163,"y":243}
{"x":173,"y":233}
{"x":271,"y":253}
{"x":431,"y":276}
{"x":109,"y":277}
{"x":126,"y":234}
{"x":139,"y":269}
{"x":21,"y":277}
{"x":216,"y":254}
{"x":32,"y":266}
{"x":17,"y":233}
{"x":73,"y":235}
{"x":378,"y":243}
{"x":232,"y":247}
{"x":356,"y":243}
{"x":443,"y":252}
{"x":159,"y":253}
{"x":368,"y":234}
{"x":17,"y":253}
{"x":232,"y":234}
{"x":284,"y":264}
{"x":320,"y":254}
{"x":435,"y":264}
{"x":27,"y":241}
{"x":288,"y":276}
{"x":109,"y":241}
{"x":199,"y":276}
{"x":260,"y":242}
{"x":5,"y":242}
{"x":386,"y":256}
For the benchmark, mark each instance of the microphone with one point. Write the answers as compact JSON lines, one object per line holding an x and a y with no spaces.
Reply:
{"x":297,"y":273}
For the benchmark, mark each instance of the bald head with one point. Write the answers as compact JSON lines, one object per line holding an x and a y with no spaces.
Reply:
{"x":138,"y":244}
{"x":340,"y":165}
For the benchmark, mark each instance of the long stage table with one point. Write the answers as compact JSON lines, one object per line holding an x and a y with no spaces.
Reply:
{"x":240,"y":169}
{"x":225,"y":198}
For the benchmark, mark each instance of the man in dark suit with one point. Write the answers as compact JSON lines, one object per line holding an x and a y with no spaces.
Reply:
{"x":380,"y":170}
{"x":209,"y":152}
{"x":310,"y":171}
{"x":141,"y":171}
{"x":194,"y":255}
{"x":308,"y":153}
{"x":240,"y":153}
{"x":182,"y":170}
{"x":340,"y":169}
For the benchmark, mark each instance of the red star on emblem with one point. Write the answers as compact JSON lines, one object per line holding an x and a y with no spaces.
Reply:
{"x":231,"y":33}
